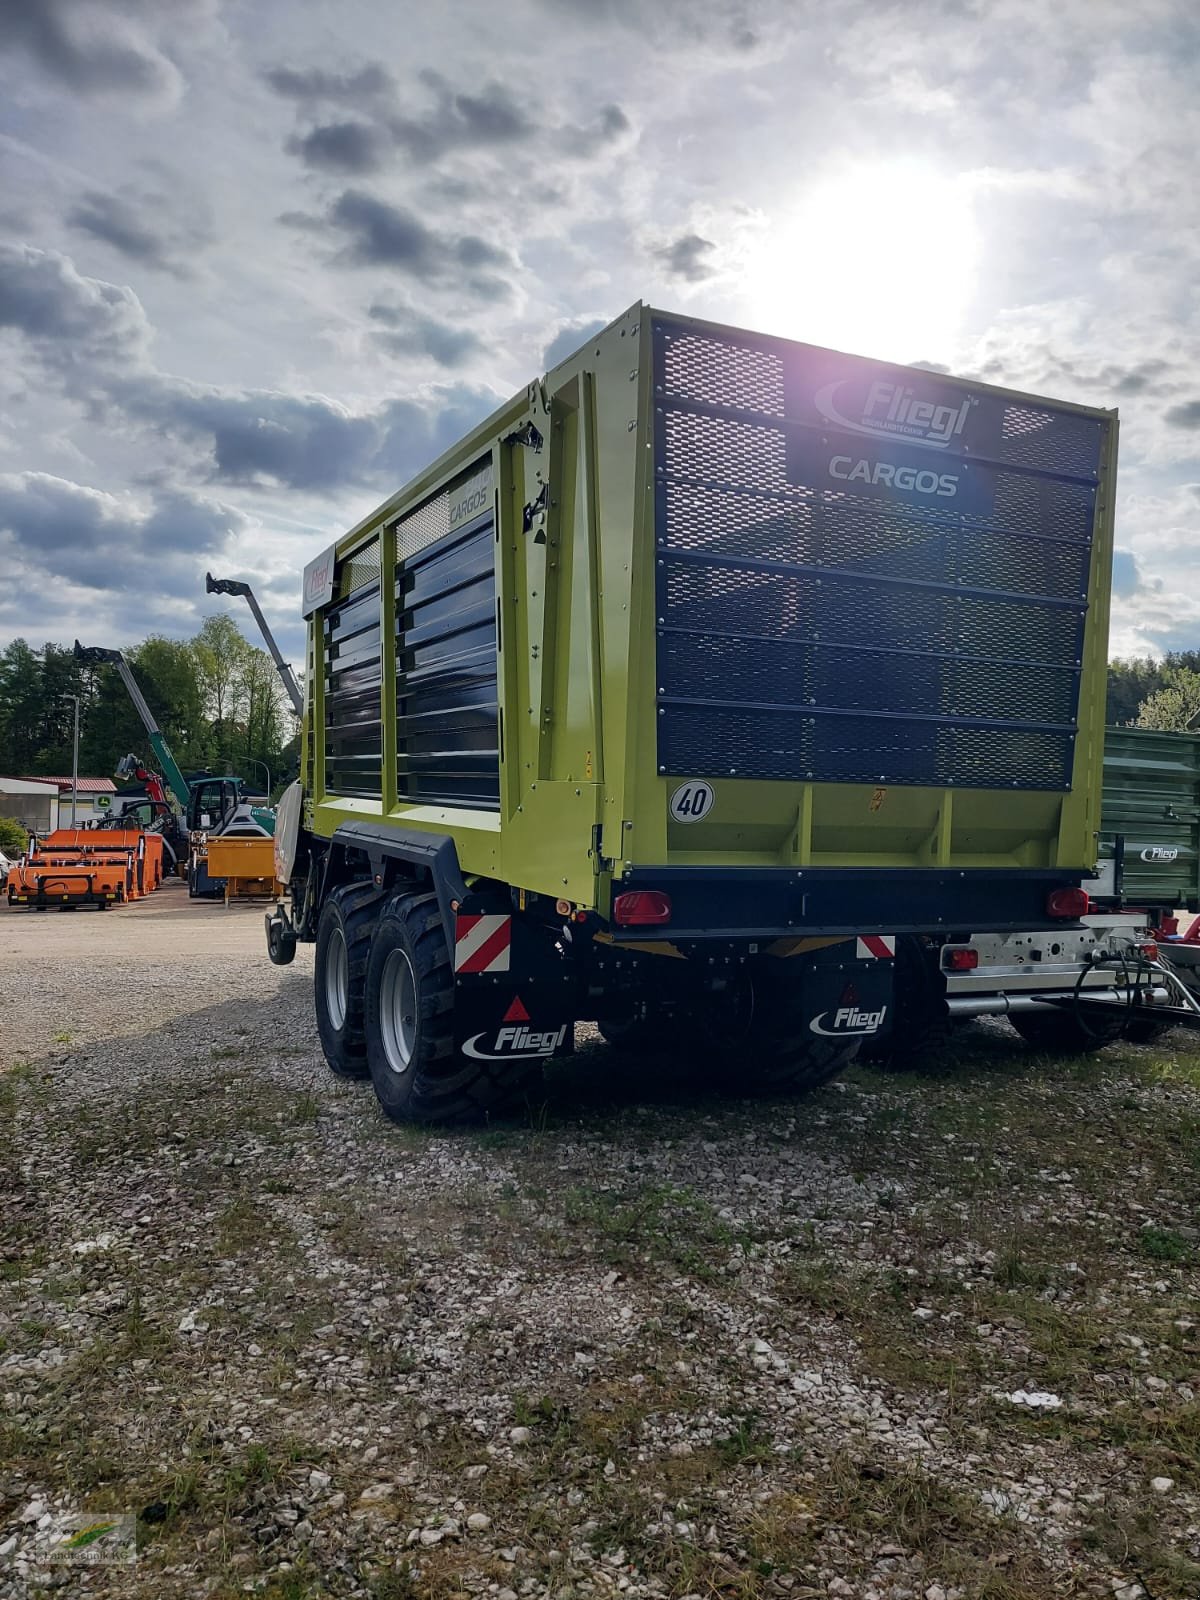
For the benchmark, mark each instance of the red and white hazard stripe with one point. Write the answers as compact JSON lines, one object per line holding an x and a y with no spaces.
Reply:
{"x":876,"y":947}
{"x":482,"y":944}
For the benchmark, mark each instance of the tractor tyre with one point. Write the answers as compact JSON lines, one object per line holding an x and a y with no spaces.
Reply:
{"x":418,"y":1074}
{"x":644,"y":1036}
{"x":348,"y":920}
{"x":920,"y":1031}
{"x":764,"y":1046}
{"x":1063,"y":1033}
{"x":1146,"y":1030}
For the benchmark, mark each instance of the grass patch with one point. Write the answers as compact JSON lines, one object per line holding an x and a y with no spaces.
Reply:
{"x":1164,"y":1244}
{"x":655,"y":1223}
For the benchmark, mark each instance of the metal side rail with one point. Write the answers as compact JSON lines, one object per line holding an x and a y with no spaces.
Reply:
{"x":1163,"y":995}
{"x":1003,"y":1005}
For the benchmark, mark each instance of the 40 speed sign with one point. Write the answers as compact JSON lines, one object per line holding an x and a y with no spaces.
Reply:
{"x":692,"y":801}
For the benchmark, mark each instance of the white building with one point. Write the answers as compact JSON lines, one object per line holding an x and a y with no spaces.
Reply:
{"x":94,"y":799}
{"x":34,"y":802}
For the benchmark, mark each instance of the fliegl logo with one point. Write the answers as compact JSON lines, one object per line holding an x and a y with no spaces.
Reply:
{"x":848,"y":1022}
{"x":892,"y":410}
{"x":515,"y":1042}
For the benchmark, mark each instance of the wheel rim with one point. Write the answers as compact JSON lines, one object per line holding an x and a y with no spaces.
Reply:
{"x":337,"y":979}
{"x":398,"y":1011}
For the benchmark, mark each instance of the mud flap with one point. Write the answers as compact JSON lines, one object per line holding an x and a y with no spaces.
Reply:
{"x":847,"y":996}
{"x":506,"y":1022}
{"x":511,"y":999}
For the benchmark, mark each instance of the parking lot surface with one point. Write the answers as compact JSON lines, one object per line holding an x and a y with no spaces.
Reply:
{"x":924,"y":1335}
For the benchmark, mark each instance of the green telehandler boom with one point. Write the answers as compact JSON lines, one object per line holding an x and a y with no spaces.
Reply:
{"x":209,"y":806}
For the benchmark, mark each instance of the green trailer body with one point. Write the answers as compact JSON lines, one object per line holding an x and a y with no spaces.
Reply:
{"x":1150,"y":819}
{"x":670,"y":588}
{"x":711,"y":649}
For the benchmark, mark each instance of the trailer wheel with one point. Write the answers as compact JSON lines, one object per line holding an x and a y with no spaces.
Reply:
{"x":418,"y":1074}
{"x":768,"y":1047}
{"x":1146,"y":1030}
{"x":649,"y":1035}
{"x":920,"y":1031}
{"x":348,"y":919}
{"x":1062,"y":1033}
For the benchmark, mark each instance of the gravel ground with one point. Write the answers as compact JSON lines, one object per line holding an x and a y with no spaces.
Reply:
{"x":929,"y":1336}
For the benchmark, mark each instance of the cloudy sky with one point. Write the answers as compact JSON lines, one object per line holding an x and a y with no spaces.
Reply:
{"x":260,"y":260}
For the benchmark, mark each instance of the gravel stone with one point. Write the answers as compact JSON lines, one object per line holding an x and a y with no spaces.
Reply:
{"x":747,"y":1339}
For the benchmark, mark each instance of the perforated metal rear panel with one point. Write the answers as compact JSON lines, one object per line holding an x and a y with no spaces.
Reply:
{"x":864,"y":573}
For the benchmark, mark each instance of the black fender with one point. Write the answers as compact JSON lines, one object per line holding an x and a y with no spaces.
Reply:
{"x":388,"y":850}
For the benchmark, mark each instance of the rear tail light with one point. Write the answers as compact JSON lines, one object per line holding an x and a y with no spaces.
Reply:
{"x":1067,"y":903}
{"x":962,"y":960}
{"x":1148,"y":950}
{"x":645,"y":908}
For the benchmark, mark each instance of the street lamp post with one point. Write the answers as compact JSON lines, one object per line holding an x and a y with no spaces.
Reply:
{"x":74,"y":760}
{"x":265,"y":768}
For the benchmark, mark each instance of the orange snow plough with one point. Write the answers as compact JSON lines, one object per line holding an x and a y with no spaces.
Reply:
{"x":87,"y":866}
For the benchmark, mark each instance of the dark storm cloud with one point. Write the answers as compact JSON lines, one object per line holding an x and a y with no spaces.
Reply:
{"x":454,"y":122}
{"x":384,"y":126}
{"x":457,"y":121}
{"x":609,"y":128}
{"x":687,"y":258}
{"x":302,"y":442}
{"x":68,"y":316}
{"x":91,"y":48}
{"x":377,"y":234}
{"x":349,"y":147}
{"x":142,"y":230}
{"x":94,"y":339}
{"x":404,"y":332}
{"x":1186,"y":415}
{"x":92,"y":539}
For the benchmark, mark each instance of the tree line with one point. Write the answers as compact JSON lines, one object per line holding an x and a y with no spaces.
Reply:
{"x":216,"y":697}
{"x":220,"y":704}
{"x":1165,"y":694}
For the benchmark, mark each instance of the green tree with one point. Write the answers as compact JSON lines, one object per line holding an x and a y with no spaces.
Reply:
{"x":1175,"y":707}
{"x":220,"y":653}
{"x":14,"y":837}
{"x":21,"y":695}
{"x":1130,"y":682}
{"x":168,"y":674}
{"x":264,"y":733}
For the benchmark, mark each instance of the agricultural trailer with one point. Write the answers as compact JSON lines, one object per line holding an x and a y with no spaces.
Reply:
{"x":674,"y":693}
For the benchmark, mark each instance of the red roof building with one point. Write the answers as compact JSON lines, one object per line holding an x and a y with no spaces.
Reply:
{"x":86,"y":785}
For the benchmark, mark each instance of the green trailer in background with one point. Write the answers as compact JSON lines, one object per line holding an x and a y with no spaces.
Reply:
{"x":696,"y":674}
{"x":1150,"y":820}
